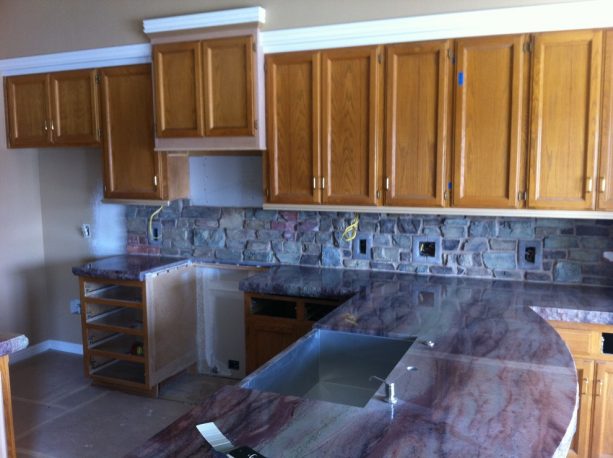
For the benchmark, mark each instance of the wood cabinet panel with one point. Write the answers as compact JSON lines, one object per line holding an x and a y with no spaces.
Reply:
{"x":418,"y":95}
{"x":28,"y":110}
{"x":605,"y":176}
{"x":351,"y":119}
{"x":265,"y":339}
{"x":566,"y":88}
{"x":228,"y":86}
{"x":74,"y":108}
{"x":293,"y":123}
{"x":178,"y":75}
{"x":491,"y":107}
{"x":602,"y":439}
{"x":130,"y":163}
{"x":580,"y":445}
{"x":7,"y":434}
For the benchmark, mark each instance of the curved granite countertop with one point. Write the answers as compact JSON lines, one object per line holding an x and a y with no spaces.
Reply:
{"x":498,"y":382}
{"x":11,"y":343}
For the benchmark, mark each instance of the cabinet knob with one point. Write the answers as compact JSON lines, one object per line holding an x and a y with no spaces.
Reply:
{"x":314,"y":182}
{"x":52,"y":126}
{"x":603,"y":184}
{"x":45,"y":128}
{"x":586,"y":384}
{"x":589,"y":185}
{"x":599,"y":388}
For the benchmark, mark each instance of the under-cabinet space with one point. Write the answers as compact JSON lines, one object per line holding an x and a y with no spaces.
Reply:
{"x":129,"y":320}
{"x":124,"y":293}
{"x":273,"y":308}
{"x":120,"y":371}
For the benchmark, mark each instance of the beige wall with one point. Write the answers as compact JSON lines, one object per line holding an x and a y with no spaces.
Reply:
{"x":29,"y":27}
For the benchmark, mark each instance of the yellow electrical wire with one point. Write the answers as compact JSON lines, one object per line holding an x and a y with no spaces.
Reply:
{"x":150,"y":226}
{"x":351,"y":231}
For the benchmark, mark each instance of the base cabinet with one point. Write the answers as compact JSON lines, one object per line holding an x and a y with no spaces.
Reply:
{"x":591,"y":349}
{"x":7,"y":436}
{"x":138,"y":333}
{"x":273,"y":323}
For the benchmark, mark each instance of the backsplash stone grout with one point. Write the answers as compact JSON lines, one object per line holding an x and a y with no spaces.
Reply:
{"x":484,"y":247}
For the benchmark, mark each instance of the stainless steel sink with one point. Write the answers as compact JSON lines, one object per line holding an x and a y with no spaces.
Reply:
{"x":332,"y":366}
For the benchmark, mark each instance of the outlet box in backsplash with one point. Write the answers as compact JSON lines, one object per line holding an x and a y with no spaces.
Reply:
{"x":565,"y":251}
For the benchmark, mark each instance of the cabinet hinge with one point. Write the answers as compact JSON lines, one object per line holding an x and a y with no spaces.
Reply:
{"x":267,"y":193}
{"x":254,"y":46}
{"x":529,"y":46}
{"x":451,"y":56}
{"x":522,"y":195}
{"x":97,"y":78}
{"x":155,"y":181}
{"x":99,"y":133}
{"x":255,"y":124}
{"x":380,"y":58}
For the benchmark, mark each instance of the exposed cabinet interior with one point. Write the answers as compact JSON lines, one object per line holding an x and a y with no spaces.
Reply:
{"x":595,"y":378}
{"x":292,"y":101}
{"x":132,"y":169}
{"x":273,"y":323}
{"x":566,"y":86}
{"x":138,"y":333}
{"x":53,"y":109}
{"x":351,"y":125}
{"x":490,"y":114}
{"x":418,"y":123}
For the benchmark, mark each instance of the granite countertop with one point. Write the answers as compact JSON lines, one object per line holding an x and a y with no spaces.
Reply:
{"x":136,"y":267}
{"x":498,"y":382}
{"x":11,"y":343}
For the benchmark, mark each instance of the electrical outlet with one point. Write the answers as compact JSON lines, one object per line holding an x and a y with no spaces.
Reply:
{"x":427,"y":249}
{"x":530,"y":254}
{"x":155,"y":235}
{"x":233,"y":364}
{"x":86,"y":231}
{"x":75,"y":306}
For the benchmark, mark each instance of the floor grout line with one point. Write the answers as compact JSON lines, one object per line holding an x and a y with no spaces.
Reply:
{"x":38,"y":403}
{"x":32,"y":453}
{"x":66,"y":412}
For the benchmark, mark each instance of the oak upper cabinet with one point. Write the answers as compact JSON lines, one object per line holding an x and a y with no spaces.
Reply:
{"x":178,"y":89}
{"x":228,"y":86}
{"x":605,"y":175}
{"x":491,"y":109}
{"x":351,"y":125}
{"x":602,"y":440}
{"x":56,"y":109}
{"x":580,"y":446}
{"x":417,"y":129}
{"x":132,"y":169}
{"x":293,"y":123}
{"x":564,"y":128}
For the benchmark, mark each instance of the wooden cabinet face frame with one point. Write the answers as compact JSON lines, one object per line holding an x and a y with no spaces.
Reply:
{"x":178,"y":89}
{"x":564,"y":129}
{"x":491,"y":91}
{"x":228,"y":72}
{"x":352,"y":125}
{"x":418,"y":96}
{"x":604,"y":184}
{"x":293,"y":124}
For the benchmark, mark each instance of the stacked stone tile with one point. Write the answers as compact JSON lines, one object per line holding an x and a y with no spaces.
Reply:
{"x":472,"y":246}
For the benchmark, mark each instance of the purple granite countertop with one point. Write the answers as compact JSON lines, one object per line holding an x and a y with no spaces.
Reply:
{"x":10,"y":343}
{"x":498,"y":382}
{"x":136,"y":267}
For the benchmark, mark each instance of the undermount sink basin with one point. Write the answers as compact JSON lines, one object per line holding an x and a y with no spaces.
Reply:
{"x":332,"y":366}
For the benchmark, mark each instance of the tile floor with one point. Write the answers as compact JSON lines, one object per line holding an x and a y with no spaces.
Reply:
{"x":57,"y":413}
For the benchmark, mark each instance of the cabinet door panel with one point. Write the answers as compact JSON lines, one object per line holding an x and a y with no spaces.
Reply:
{"x":417,"y":124}
{"x":351,"y":118}
{"x":178,"y":84}
{"x":602,"y":439}
{"x":564,"y":123}
{"x":130,"y":163}
{"x":265,"y":340}
{"x":292,"y":88}
{"x":580,"y":445}
{"x":605,"y":175}
{"x":74,"y":104}
{"x":28,"y":110}
{"x":490,"y":119}
{"x":228,"y":86}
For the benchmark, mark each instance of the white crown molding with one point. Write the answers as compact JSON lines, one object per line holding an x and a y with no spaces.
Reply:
{"x":500,"y":21}
{"x":37,"y":349}
{"x":202,"y":20}
{"x":518,"y":213}
{"x":89,"y":58}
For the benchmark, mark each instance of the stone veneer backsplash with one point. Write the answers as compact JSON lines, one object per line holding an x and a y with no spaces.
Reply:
{"x":572,"y":250}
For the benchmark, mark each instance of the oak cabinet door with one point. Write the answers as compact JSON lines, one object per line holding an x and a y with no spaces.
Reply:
{"x":178,"y":89}
{"x":566,"y":86}
{"x":132,"y":168}
{"x":418,"y":94}
{"x":351,"y":119}
{"x":229,"y":86}
{"x":580,"y":445}
{"x":74,"y":108}
{"x":491,"y":108}
{"x":28,"y":110}
{"x":266,"y":339}
{"x":293,"y":95}
{"x":605,"y":175}
{"x":602,"y":439}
